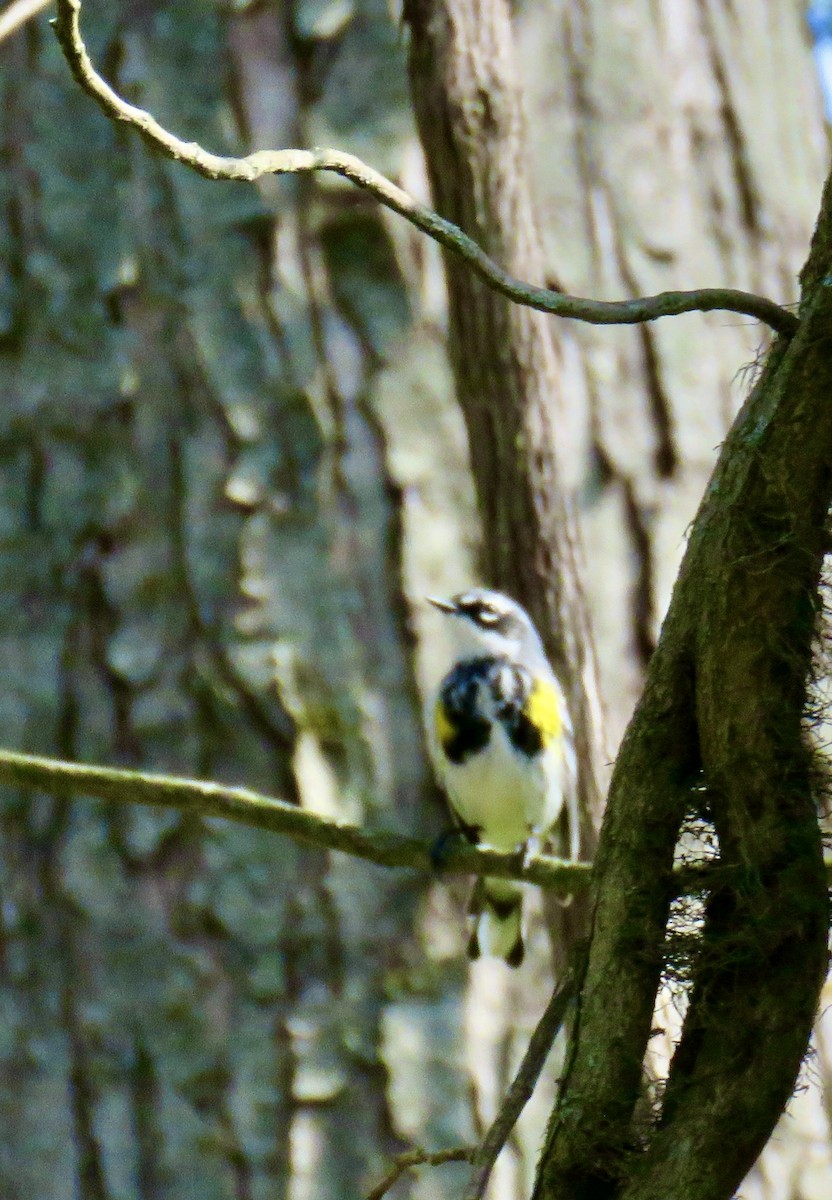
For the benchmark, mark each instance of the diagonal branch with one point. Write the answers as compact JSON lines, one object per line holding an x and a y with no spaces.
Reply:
{"x":287,"y":162}
{"x":483,"y":1157}
{"x":18,"y":13}
{"x":521,"y":1089}
{"x":264,"y":812}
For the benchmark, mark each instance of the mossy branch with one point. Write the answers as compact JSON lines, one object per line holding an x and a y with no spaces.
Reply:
{"x":289,"y":161}
{"x":724,"y":705}
{"x":247,"y":807}
{"x":275,"y":816}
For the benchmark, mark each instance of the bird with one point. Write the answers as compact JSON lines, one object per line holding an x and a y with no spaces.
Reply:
{"x":501,"y":743}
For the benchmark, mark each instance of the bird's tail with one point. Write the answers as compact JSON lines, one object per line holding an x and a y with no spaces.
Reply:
{"x":497,"y":909}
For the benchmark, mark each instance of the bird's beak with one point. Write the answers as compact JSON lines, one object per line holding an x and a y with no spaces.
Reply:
{"x":446,"y":606}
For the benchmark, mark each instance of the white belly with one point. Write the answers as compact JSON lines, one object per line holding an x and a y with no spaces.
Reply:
{"x":504,"y":793}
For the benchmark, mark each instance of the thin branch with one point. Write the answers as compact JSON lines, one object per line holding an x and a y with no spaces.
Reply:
{"x":524,"y":1083}
{"x":17,"y":14}
{"x":287,"y":162}
{"x":484,"y":1157}
{"x":264,"y":812}
{"x":418,"y":1158}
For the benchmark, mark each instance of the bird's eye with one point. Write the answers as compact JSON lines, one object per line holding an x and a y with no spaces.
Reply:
{"x":487,"y":616}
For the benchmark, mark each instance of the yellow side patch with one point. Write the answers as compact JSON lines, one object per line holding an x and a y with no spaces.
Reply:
{"x":444,"y":729}
{"x":543,"y":710}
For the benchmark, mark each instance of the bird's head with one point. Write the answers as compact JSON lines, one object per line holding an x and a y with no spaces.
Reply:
{"x":484,"y":622}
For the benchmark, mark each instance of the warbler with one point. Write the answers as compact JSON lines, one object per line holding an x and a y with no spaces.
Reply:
{"x":501,"y":742}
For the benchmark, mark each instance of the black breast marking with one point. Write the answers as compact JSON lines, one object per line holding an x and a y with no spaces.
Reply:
{"x":463,"y":729}
{"x":523,"y":735}
{"x":511,"y":687}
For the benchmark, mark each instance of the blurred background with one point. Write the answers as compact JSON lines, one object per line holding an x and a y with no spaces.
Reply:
{"x":231,"y":466}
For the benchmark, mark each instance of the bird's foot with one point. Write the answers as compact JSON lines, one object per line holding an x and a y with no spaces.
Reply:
{"x":447,"y":844}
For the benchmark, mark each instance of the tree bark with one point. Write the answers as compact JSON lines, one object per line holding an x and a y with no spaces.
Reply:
{"x":669,"y":146}
{"x":184,"y":426}
{"x":729,"y":682}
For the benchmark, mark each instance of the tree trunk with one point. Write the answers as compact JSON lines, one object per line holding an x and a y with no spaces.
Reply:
{"x":202,"y":575}
{"x":471,"y":129}
{"x":728,"y":682}
{"x":670,"y":146}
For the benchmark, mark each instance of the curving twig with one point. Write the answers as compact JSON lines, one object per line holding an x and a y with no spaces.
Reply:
{"x":287,"y":162}
{"x":418,"y":1158}
{"x":17,"y":14}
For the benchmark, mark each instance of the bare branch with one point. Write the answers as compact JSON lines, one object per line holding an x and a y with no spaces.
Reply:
{"x":418,"y":1158}
{"x":264,"y":812}
{"x":523,"y":1085}
{"x":18,"y":13}
{"x":484,"y":1157}
{"x":287,"y":162}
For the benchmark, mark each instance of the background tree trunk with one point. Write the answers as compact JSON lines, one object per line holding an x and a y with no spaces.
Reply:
{"x":219,"y":508}
{"x":201,"y":574}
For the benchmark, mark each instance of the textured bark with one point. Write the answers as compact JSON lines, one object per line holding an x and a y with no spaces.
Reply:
{"x":736,"y":651}
{"x":195,"y":500}
{"x":670,"y":145}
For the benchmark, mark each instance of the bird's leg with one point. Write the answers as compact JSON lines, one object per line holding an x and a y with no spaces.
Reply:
{"x":532,"y":846}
